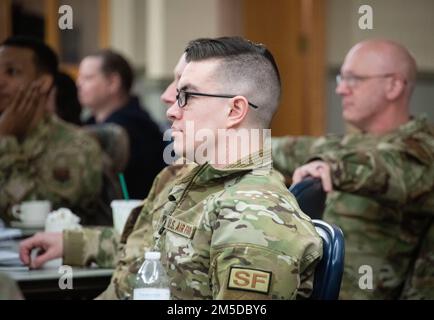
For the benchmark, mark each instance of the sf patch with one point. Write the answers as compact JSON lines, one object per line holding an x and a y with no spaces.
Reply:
{"x":249,"y":280}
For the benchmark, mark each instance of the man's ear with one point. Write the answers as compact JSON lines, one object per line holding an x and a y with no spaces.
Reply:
{"x":115,"y":82}
{"x":395,"y":88}
{"x":47,"y":82}
{"x":238,"y":111}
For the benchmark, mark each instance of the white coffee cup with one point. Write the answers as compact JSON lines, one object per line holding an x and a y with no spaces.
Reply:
{"x":32,"y":212}
{"x":121,"y":210}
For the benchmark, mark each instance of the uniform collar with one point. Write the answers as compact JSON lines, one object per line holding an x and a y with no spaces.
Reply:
{"x":259,"y":161}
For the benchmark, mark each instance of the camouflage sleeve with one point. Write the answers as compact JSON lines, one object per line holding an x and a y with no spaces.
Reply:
{"x":264,"y":252}
{"x":90,"y":245}
{"x":388,"y":173}
{"x":9,"y":151}
{"x":250,"y":272}
{"x":11,"y":160}
{"x":420,"y":283}
{"x":58,"y":163}
{"x":290,"y":152}
{"x":86,"y":175}
{"x":114,"y":141}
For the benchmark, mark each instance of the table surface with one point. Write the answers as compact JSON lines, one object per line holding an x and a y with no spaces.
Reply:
{"x":88,"y":282}
{"x":53,"y":274}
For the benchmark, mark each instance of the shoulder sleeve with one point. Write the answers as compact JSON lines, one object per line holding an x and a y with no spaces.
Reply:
{"x":291,"y":152}
{"x":262,"y":250}
{"x":420,"y":282}
{"x":392,"y":172}
{"x":9,"y":152}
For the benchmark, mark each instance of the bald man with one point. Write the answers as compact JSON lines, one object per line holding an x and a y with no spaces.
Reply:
{"x":380,"y":181}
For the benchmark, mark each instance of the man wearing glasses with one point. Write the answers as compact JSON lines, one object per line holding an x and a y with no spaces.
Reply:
{"x":380,"y":180}
{"x":226,"y":230}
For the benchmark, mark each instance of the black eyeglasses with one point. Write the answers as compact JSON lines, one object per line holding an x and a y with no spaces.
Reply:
{"x":182,"y":97}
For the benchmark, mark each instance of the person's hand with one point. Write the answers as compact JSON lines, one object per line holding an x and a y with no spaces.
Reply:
{"x":316,"y":169}
{"x":24,"y":112}
{"x":50,"y":245}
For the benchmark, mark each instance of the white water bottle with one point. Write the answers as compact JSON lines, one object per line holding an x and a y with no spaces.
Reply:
{"x":152,"y":282}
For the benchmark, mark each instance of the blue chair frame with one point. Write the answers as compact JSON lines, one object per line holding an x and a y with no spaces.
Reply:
{"x":328,"y":273}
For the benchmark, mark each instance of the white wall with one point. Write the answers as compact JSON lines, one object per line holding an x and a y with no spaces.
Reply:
{"x":409,"y":22}
{"x":153,"y":33}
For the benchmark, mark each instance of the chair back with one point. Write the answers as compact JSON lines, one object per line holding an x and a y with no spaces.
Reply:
{"x":328,"y":273}
{"x":310,"y":196}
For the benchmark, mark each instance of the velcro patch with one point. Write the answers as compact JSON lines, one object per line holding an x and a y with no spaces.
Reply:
{"x":249,"y":280}
{"x":180,"y":227}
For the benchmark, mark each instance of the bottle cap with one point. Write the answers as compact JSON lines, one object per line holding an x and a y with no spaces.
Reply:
{"x":152,"y":255}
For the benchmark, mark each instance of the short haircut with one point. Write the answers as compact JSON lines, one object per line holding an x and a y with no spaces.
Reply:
{"x":45,"y":59}
{"x":246,"y":68}
{"x":113,"y":62}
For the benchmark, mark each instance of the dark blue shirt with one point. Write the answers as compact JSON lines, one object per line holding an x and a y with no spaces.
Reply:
{"x":146,"y":147}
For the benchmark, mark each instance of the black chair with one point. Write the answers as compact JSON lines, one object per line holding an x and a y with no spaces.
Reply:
{"x":328,"y":273}
{"x":310,"y":196}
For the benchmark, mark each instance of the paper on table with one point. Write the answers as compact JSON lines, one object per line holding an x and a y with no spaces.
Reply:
{"x":9,"y":258}
{"x":14,"y":268}
{"x":10,"y":233}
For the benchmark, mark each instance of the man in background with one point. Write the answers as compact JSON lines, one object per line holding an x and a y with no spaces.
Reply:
{"x":104,"y":86}
{"x":380,"y":180}
{"x":41,"y":157}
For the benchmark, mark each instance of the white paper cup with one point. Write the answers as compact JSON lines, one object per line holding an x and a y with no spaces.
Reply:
{"x":121,"y":210}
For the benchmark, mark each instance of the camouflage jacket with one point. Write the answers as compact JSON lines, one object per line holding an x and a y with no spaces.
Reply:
{"x":232,"y":233}
{"x":420,"y":283}
{"x":383,"y":200}
{"x":56,"y":162}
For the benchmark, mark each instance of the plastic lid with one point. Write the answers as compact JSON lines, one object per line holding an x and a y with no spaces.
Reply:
{"x":152,"y":255}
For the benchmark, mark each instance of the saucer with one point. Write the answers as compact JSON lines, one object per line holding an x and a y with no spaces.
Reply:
{"x":26,"y":225}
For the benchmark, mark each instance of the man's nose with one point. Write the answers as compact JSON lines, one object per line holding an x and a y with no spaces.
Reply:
{"x":174,"y":112}
{"x":342,"y":88}
{"x":169,"y":95}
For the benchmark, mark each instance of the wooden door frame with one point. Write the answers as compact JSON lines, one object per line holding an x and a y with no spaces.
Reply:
{"x":294,"y":31}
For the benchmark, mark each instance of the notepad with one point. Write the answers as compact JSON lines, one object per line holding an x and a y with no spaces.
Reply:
{"x":10,"y":233}
{"x":9,"y":258}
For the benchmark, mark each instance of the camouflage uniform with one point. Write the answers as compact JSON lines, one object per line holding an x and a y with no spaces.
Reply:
{"x":384,"y":199}
{"x":9,"y":289}
{"x":56,"y":162}
{"x":232,"y":233}
{"x":420,"y":283}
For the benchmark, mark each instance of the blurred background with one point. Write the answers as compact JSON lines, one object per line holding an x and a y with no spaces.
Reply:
{"x":309,"y":39}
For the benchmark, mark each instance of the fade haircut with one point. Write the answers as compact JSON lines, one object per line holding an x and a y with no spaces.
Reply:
{"x":113,"y":62}
{"x":44,"y":58}
{"x":245,"y":68}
